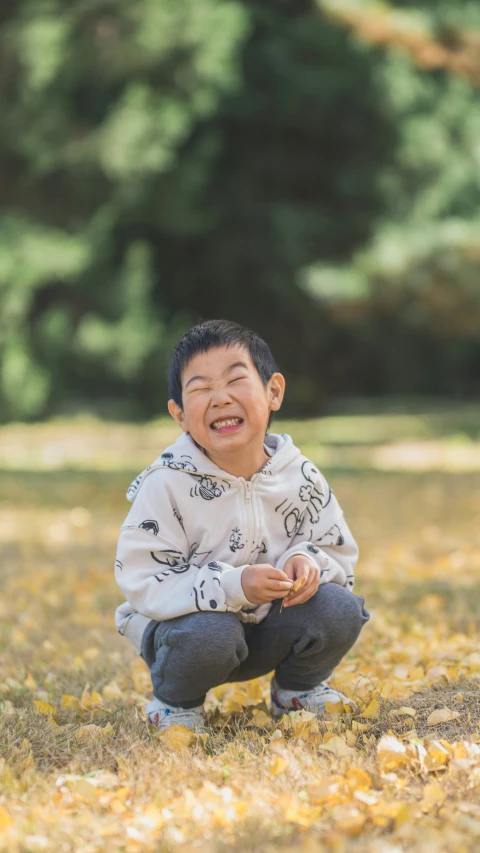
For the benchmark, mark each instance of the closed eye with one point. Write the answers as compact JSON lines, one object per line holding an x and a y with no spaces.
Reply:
{"x":237,"y":379}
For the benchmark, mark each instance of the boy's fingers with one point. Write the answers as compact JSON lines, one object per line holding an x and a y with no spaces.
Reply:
{"x":279,"y":586}
{"x":303,"y":594}
{"x":277,"y":574}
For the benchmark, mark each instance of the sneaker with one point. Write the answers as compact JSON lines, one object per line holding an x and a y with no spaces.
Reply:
{"x":314,"y":699}
{"x":162,"y":716}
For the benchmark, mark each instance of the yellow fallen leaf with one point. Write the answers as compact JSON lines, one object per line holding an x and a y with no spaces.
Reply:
{"x":84,"y":790}
{"x":303,"y":724}
{"x":177,"y":737}
{"x":296,"y":585}
{"x":90,"y":700}
{"x":350,"y":738}
{"x":302,"y":815}
{"x":351,"y":819}
{"x":278,"y":745}
{"x":360,"y":727}
{"x":392,"y":753}
{"x":71,"y":703}
{"x":403,"y":712}
{"x":371,"y":711}
{"x":390,"y":814}
{"x":336,"y":708}
{"x":338,"y":746}
{"x":433,"y":796}
{"x":442,"y":715}
{"x":436,"y":757}
{"x":6,"y":820}
{"x":358,"y":778}
{"x":112,"y":691}
{"x":329,"y":791}
{"x":44,"y":707}
{"x":260,"y":720}
{"x":278,"y":765}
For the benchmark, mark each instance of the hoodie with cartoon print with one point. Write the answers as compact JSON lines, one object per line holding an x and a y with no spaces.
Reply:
{"x":193,"y":528}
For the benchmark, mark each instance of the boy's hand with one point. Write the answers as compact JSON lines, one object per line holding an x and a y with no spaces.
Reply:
{"x":297,"y":567}
{"x":262,"y":583}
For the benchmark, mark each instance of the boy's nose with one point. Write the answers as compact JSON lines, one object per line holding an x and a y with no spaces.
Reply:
{"x":221,"y":397}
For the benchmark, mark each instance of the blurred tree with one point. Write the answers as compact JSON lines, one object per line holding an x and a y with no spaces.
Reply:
{"x":407,"y":305}
{"x":164,"y":162}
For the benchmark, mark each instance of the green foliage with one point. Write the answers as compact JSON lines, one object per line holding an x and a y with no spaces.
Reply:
{"x":164,"y":162}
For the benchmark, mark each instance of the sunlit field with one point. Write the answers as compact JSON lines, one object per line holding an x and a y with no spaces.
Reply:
{"x":80,"y":768}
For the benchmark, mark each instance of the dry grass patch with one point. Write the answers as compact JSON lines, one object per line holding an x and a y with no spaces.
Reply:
{"x":81,"y":771}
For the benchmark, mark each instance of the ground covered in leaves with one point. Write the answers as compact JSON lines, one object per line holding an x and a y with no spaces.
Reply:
{"x":81,"y":770}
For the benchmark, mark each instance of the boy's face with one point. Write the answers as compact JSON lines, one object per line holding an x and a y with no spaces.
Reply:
{"x":223,"y":385}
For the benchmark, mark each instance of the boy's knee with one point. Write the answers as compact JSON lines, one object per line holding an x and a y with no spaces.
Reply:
{"x":338,"y":612}
{"x":206,"y":637}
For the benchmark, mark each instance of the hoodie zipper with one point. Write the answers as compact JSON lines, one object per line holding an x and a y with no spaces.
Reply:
{"x":250,"y":535}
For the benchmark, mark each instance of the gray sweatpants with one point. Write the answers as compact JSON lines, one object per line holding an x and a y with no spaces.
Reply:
{"x":303,"y":644}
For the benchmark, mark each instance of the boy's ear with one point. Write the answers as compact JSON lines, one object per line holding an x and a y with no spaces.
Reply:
{"x":177,"y":413}
{"x":276,"y":390}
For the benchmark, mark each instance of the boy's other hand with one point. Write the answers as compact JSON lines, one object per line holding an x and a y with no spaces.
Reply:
{"x":262,"y":583}
{"x":297,"y":567}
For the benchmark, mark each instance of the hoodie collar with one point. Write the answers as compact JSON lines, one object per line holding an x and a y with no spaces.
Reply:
{"x":185,"y":455}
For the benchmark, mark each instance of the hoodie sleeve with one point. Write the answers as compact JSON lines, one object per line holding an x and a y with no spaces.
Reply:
{"x":330,"y":545}
{"x":160,"y":574}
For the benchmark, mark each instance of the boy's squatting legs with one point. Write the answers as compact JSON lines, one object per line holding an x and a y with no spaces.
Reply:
{"x":303,"y":644}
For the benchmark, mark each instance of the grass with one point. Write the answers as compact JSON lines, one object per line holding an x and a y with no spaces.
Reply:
{"x":88,"y":774}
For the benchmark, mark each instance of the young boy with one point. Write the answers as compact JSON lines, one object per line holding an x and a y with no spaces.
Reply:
{"x":222,"y":523}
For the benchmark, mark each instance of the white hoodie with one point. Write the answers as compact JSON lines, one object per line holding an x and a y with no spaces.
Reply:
{"x":193,"y":527}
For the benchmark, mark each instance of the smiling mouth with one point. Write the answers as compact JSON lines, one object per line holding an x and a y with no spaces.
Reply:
{"x":226,"y":424}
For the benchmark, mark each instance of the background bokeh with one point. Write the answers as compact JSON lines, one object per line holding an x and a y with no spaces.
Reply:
{"x":309,"y":169}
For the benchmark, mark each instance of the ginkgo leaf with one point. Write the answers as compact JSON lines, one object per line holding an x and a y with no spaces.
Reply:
{"x":177,"y":737}
{"x":372,"y":710}
{"x":278,"y":765}
{"x":111,"y":691}
{"x":44,"y":707}
{"x":260,"y":720}
{"x":6,"y":820}
{"x":90,"y":700}
{"x":72,"y":703}
{"x":296,"y":585}
{"x":84,"y":790}
{"x":403,"y":712}
{"x":338,"y":746}
{"x":360,"y":727}
{"x":433,"y":796}
{"x":442,"y":715}
{"x":358,"y":778}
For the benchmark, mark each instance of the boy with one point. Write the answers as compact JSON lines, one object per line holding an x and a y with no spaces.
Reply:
{"x":221,"y":526}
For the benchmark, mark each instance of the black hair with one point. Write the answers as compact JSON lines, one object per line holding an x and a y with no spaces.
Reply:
{"x":217,"y":333}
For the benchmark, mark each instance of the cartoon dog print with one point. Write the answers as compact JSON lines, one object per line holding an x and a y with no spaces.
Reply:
{"x":292,"y":517}
{"x":260,"y":549}
{"x":207,"y":488}
{"x":171,"y":557}
{"x":206,"y":593}
{"x":235,"y":540}
{"x":177,"y":562}
{"x":151,"y":525}
{"x":183,"y":464}
{"x":334,"y":536}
